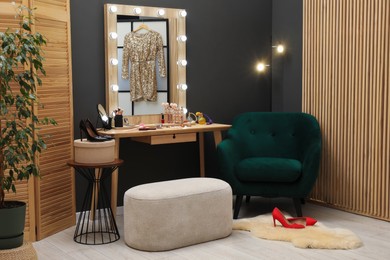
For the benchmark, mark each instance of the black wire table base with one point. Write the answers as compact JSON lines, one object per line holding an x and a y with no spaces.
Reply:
{"x":96,"y":223}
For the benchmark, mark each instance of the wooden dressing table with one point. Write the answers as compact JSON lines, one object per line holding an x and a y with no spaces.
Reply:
{"x":165,"y":135}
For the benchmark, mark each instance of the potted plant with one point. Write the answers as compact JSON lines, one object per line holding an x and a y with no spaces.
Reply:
{"x":20,"y":70}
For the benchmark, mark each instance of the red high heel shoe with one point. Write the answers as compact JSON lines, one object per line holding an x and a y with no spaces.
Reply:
{"x":277,"y":215}
{"x":307,"y":221}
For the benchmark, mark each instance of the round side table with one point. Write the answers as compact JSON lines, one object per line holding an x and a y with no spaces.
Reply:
{"x":96,"y":223}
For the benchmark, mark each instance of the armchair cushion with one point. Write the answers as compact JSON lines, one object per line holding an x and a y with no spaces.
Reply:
{"x":268,"y":169}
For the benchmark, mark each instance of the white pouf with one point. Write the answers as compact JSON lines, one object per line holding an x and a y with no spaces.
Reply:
{"x":171,"y":214}
{"x":94,"y":152}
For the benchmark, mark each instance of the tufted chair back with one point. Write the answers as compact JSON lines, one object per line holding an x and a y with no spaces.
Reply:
{"x":266,"y":134}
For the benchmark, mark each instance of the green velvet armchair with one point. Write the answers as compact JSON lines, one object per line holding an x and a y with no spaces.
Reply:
{"x":271,"y":154}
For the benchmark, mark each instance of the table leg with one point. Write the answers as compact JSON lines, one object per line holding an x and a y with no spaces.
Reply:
{"x":114,"y":181}
{"x":95,"y":192}
{"x":96,"y":224}
{"x":201,"y":154}
{"x":217,"y":138}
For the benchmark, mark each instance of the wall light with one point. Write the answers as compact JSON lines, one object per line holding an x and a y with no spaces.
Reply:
{"x":182,"y":63}
{"x":115,"y":88}
{"x":137,"y":10}
{"x":261,"y":66}
{"x":185,"y":110}
{"x":182,"y":86}
{"x":113,"y":9}
{"x":160,"y":12}
{"x":182,"y":38}
{"x":114,"y":61}
{"x":279,"y":48}
{"x":113,"y":35}
{"x":183,"y":13}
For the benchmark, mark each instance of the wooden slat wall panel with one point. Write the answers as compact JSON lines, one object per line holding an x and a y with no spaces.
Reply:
{"x":346,"y":86}
{"x":55,"y":192}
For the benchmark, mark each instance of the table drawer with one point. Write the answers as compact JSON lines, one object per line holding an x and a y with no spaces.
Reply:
{"x":166,"y":139}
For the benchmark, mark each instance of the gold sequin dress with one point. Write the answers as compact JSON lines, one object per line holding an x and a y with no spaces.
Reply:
{"x":142,"y":50}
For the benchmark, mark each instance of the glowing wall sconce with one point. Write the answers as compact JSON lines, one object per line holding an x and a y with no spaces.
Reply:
{"x":182,"y":63}
{"x":260,"y":67}
{"x":279,"y":48}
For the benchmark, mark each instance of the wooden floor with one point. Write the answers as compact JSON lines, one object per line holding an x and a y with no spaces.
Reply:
{"x":375,"y":235}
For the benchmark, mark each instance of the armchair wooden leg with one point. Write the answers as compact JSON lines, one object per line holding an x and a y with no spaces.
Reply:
{"x":297,"y":205}
{"x":237,"y":206}
{"x":247,"y":199}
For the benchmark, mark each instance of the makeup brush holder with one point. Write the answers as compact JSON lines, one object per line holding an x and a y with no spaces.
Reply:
{"x":118,"y":121}
{"x":94,"y":152}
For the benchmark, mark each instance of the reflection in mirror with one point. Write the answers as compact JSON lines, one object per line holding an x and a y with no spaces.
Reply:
{"x":169,"y":23}
{"x":106,"y":120}
{"x":158,"y":78}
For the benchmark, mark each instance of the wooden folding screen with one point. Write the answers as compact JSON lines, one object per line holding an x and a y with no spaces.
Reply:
{"x":55,"y":191}
{"x":346,"y":86}
{"x":25,"y":189}
{"x":50,"y":200}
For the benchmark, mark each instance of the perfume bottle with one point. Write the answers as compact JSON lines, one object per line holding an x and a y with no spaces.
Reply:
{"x":201,"y":119}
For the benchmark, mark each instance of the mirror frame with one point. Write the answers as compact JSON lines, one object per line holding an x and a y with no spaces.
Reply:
{"x":177,"y":51}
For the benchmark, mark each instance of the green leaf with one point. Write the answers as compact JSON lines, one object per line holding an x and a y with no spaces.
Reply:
{"x":26,"y":26}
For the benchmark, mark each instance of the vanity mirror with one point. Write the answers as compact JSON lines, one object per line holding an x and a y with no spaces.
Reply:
{"x":169,"y":25}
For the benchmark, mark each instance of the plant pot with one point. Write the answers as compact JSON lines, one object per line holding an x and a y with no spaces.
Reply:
{"x":12,"y":219}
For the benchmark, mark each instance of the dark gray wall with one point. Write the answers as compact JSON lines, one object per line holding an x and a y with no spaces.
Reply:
{"x":225,"y":39}
{"x":287,"y":68}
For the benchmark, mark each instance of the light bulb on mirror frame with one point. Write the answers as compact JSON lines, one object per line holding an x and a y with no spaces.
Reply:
{"x":182,"y":38}
{"x":113,"y":9}
{"x":160,"y":12}
{"x":182,"y":86}
{"x":114,"y":61}
{"x":183,"y":13}
{"x":115,"y":87}
{"x":182,"y":63}
{"x":137,"y":10}
{"x":113,"y":35}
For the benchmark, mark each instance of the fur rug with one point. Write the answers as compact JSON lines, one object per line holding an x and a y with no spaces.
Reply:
{"x":317,"y":236}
